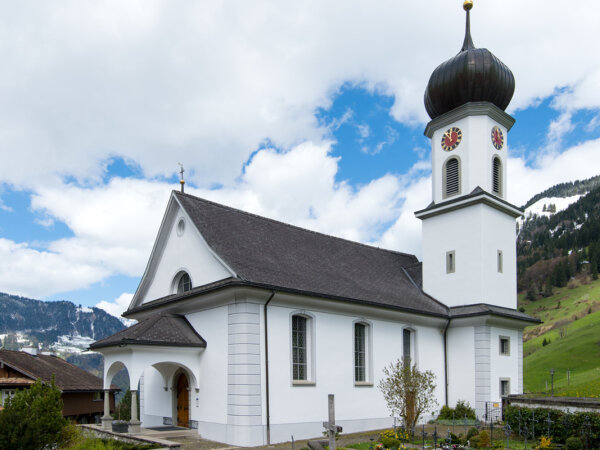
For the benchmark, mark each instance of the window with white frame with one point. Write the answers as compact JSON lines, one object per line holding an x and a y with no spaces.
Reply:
{"x":6,"y":394}
{"x":302,"y":348}
{"x":182,"y":283}
{"x":451,"y":177}
{"x":362,"y":353}
{"x":497,"y":176}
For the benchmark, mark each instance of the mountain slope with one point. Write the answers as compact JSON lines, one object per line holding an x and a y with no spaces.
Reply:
{"x":58,"y":325}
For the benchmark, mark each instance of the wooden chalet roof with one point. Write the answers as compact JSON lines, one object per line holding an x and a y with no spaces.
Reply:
{"x":66,"y":376}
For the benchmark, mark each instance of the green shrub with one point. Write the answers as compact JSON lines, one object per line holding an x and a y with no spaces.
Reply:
{"x":472,"y":432}
{"x":574,"y":443}
{"x":461,"y":410}
{"x":33,"y":419}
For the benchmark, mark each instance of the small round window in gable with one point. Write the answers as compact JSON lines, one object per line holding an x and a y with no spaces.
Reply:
{"x":180,"y":226}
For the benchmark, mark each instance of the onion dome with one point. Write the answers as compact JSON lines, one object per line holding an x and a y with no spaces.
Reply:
{"x":473,"y":75}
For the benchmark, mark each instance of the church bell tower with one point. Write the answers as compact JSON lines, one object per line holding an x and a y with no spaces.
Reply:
{"x":469,"y":232}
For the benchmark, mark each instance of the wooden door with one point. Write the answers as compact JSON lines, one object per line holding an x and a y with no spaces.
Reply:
{"x":183,"y":401}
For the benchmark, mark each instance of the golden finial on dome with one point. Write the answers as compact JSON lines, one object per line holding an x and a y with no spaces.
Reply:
{"x":468,"y":5}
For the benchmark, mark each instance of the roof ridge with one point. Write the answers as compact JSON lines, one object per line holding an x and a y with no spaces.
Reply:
{"x":289,"y":225}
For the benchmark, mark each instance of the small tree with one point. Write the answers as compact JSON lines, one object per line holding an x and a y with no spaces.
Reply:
{"x":33,"y":418}
{"x":408,"y":392}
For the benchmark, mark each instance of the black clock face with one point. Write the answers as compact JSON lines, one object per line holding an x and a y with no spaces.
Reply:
{"x":451,"y":138}
{"x":497,"y":138}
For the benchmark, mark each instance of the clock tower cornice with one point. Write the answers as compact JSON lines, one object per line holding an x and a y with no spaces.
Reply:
{"x":469,"y":110}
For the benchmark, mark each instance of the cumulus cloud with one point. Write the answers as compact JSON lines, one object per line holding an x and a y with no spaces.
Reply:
{"x":206,"y":83}
{"x":117,"y":306}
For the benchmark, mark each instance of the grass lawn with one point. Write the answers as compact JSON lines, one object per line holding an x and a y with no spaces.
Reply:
{"x":573,"y":329}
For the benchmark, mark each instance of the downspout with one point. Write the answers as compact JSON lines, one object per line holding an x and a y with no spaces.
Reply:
{"x":267,"y":369}
{"x":446,"y":359}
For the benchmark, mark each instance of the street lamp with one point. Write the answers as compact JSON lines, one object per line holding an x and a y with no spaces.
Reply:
{"x":552,"y":381}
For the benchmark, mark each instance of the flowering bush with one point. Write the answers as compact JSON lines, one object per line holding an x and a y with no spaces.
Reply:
{"x":393,"y":438}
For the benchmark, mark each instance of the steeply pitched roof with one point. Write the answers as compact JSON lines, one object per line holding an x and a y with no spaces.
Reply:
{"x":159,"y":329}
{"x":275,"y":254}
{"x":67,"y":376}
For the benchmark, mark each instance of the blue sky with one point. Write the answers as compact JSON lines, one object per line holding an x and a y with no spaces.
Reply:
{"x":308,"y":113}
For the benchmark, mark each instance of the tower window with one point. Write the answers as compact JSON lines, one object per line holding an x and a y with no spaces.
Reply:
{"x":451,"y":177}
{"x":504,"y":387}
{"x":450,"y":262}
{"x":499,"y":261}
{"x":497,"y":176}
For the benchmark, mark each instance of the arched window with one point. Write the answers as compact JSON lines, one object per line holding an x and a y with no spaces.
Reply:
{"x":408,"y":345}
{"x":362,"y":353}
{"x":303,"y":364}
{"x":451,"y":177}
{"x":182,"y":282}
{"x":497,"y":176}
{"x":299,"y":348}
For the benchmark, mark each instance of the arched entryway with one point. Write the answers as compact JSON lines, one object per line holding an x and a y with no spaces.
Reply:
{"x":183,"y":400}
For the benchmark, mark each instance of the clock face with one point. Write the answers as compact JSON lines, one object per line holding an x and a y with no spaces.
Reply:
{"x":497,"y":138}
{"x":451,"y":138}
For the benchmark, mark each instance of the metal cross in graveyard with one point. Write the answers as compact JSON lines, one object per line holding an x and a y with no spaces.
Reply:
{"x":507,"y":432}
{"x":567,"y":422}
{"x":435,"y":437}
{"x":449,"y":438}
{"x":330,"y":426}
{"x":520,"y":434}
{"x":424,"y":435}
{"x":526,"y":433}
{"x":549,"y":422}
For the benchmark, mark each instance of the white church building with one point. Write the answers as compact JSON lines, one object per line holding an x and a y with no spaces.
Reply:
{"x":246,"y":324}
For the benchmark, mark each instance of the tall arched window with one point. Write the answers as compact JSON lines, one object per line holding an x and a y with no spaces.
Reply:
{"x":451,"y":177}
{"x":182,"y":283}
{"x":360,"y":352}
{"x":299,"y":348}
{"x":497,"y":176}
{"x":302,"y":336}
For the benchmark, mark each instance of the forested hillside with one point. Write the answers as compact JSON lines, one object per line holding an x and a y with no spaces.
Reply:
{"x":551,"y":250}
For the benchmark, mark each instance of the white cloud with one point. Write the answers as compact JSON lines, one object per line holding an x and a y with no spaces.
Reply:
{"x":206,"y":83}
{"x":117,"y":306}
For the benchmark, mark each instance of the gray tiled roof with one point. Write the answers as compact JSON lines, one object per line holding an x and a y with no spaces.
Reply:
{"x":278,"y":255}
{"x":67,"y":376}
{"x":158,"y":329}
{"x":480,"y":309}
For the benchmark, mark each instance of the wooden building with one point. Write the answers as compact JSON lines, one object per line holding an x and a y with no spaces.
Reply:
{"x":82,"y":392}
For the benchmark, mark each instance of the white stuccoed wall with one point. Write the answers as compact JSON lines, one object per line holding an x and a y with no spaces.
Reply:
{"x":211,"y":412}
{"x":475,"y":234}
{"x":188,"y":252}
{"x":503,"y":366}
{"x":299,"y":410}
{"x":461,"y":365}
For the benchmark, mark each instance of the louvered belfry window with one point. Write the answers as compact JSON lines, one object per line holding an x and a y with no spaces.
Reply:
{"x":497,"y":176}
{"x":299,"y":365}
{"x":360,"y":352}
{"x":452,"y":177}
